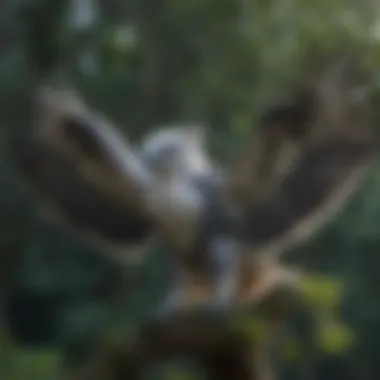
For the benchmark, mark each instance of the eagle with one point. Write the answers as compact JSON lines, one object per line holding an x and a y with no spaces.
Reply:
{"x":226,"y":227}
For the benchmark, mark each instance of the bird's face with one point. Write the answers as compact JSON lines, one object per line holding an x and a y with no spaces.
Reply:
{"x":175,"y":151}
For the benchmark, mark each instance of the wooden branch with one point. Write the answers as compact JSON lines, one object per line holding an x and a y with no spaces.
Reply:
{"x":224,"y":346}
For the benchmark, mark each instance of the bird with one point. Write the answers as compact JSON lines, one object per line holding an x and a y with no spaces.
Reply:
{"x":226,"y":227}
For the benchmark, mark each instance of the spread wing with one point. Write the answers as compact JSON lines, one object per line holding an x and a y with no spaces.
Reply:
{"x":85,"y":173}
{"x":309,"y":155}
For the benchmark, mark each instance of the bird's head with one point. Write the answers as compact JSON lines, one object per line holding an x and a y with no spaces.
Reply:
{"x":175,"y":150}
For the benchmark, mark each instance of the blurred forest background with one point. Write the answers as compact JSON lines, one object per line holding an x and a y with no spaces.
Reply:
{"x":149,"y":62}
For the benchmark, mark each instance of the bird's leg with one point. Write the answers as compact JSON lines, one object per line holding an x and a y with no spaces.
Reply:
{"x":224,"y":260}
{"x":223,"y":264}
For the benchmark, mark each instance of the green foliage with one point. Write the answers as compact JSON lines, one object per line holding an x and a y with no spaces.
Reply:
{"x":18,"y":363}
{"x":324,"y":294}
{"x":333,"y":337}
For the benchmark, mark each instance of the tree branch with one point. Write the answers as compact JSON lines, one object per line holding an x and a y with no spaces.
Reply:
{"x":224,"y":346}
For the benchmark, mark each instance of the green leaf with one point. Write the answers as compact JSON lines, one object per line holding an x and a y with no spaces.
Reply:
{"x":323,"y":292}
{"x":334,"y":337}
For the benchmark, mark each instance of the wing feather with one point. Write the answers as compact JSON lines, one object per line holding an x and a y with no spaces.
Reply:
{"x":314,"y":191}
{"x":84,"y":172}
{"x":311,"y":154}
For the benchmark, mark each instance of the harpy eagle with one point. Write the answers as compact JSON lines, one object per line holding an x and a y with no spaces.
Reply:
{"x":223,"y":226}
